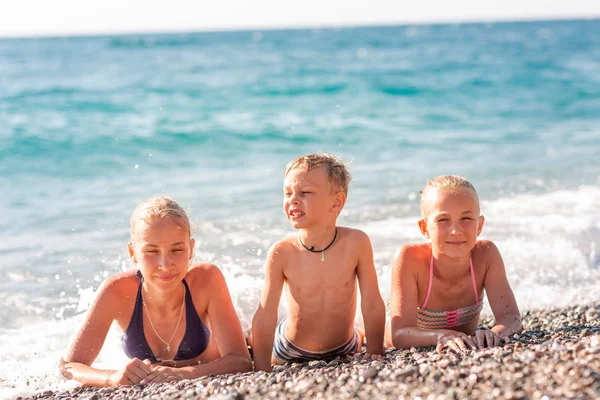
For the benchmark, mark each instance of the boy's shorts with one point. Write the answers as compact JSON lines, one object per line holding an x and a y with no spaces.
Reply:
{"x":284,"y":351}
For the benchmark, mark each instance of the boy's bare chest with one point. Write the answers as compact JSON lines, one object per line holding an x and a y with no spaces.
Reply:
{"x":316,"y":274}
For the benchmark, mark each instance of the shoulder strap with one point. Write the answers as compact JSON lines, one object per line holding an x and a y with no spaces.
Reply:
{"x":473,"y":280}
{"x":188,"y":295}
{"x":429,"y":284}
{"x":138,"y":273}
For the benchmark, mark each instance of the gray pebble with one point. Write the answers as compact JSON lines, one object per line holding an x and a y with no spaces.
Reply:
{"x":369,"y":373}
{"x":403,"y":373}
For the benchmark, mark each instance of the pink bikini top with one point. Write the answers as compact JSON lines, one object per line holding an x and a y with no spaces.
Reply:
{"x":429,"y":319}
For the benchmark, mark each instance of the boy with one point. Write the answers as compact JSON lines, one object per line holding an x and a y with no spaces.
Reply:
{"x":320,"y":267}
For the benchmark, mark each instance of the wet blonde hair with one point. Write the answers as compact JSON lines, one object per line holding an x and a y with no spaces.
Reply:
{"x":157,"y":208}
{"x":337,"y":174}
{"x":444,"y":182}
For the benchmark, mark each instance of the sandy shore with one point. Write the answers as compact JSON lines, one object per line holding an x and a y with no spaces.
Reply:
{"x":556,"y":356}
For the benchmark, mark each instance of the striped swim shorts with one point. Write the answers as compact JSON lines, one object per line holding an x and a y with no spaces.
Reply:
{"x":284,"y":351}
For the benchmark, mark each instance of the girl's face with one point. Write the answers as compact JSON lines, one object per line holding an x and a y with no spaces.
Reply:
{"x":162,"y":249}
{"x":453,"y":222}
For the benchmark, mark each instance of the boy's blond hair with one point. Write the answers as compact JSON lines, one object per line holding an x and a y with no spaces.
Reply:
{"x":444,"y":182}
{"x":156,"y":208}
{"x":338,"y":177}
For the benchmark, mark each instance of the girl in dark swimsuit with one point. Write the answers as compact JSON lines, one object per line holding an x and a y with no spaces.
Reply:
{"x":178,"y":320}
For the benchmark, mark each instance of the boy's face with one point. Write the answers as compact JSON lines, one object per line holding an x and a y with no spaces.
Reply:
{"x":308,"y":200}
{"x":453,"y":221}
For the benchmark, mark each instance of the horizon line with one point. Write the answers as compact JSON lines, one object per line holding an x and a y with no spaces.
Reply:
{"x":314,"y":26}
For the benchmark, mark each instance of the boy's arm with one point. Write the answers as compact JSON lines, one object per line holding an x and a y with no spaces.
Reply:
{"x":500,"y":295}
{"x":372,"y":306}
{"x":265,"y":318}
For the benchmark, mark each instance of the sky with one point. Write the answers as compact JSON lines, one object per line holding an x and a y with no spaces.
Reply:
{"x":90,"y":17}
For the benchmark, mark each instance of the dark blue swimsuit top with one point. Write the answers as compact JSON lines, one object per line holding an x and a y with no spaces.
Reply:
{"x":194,"y":342}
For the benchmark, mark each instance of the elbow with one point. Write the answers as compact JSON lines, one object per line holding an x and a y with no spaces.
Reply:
{"x":244,"y":363}
{"x":63,"y":367}
{"x":240,"y":362}
{"x":248,"y":366}
{"x":398,"y":333}
{"x":399,"y":340}
{"x":410,"y":336}
{"x":400,"y":344}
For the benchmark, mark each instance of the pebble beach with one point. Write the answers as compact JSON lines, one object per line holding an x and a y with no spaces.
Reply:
{"x":557,"y":355}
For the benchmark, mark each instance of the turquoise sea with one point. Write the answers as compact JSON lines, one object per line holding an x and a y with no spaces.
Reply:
{"x":90,"y":126}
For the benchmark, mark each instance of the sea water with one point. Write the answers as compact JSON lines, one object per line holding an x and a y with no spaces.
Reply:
{"x":91,"y":126}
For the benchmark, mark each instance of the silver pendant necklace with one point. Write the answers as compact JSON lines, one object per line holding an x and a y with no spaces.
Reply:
{"x":176,"y":326}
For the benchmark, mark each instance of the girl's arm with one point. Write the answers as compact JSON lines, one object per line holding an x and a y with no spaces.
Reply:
{"x":131,"y":374}
{"x":500,"y":295}
{"x":372,"y":306}
{"x":227,"y":329}
{"x":403,"y":303}
{"x":88,"y":342}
